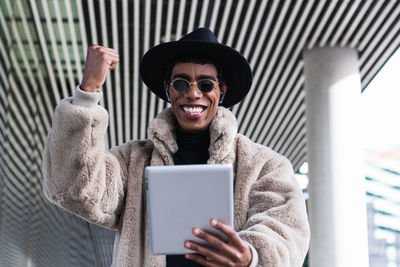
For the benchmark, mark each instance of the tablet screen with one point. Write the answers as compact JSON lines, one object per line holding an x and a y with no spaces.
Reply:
{"x":186,"y":196}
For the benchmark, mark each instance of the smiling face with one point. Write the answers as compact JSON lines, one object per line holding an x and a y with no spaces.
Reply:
{"x":194,"y":109}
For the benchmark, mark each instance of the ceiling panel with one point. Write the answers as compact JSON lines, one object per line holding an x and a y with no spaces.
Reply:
{"x":42,"y":49}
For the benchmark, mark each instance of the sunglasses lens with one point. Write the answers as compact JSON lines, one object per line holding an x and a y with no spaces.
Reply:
{"x":205,"y":86}
{"x":180,"y":85}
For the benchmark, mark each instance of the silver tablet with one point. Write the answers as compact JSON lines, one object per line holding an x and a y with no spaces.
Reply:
{"x":185,"y":196}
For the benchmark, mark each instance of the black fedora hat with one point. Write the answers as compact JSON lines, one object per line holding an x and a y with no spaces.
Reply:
{"x":200,"y":43}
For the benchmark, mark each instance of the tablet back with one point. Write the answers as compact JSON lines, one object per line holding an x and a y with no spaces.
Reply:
{"x":185,"y":196}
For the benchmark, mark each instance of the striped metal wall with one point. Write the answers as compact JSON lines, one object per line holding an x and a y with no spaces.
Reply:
{"x":42,"y":52}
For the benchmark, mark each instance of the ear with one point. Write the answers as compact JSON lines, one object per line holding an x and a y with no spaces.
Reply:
{"x":224,"y":88}
{"x":223,"y":93}
{"x":166,"y":87}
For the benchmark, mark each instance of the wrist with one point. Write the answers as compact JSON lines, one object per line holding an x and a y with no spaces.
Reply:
{"x":88,"y":88}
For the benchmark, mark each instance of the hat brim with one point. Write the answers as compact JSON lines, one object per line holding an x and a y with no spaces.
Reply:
{"x":237,"y":72}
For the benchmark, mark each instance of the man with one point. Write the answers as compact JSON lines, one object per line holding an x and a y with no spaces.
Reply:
{"x":200,"y":78}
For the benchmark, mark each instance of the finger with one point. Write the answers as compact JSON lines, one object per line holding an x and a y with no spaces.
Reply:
{"x":101,"y":58}
{"x":230,"y":233}
{"x":206,"y":252}
{"x":113,"y":65}
{"x":109,"y":49}
{"x":217,"y":243}
{"x":111,"y":54}
{"x":113,"y":58}
{"x":103,"y":52}
{"x":93,"y":46}
{"x":200,"y":259}
{"x":102,"y":48}
{"x":108,"y":54}
{"x":110,"y":61}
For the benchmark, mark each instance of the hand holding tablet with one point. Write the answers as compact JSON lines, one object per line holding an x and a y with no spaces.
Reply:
{"x":233,"y":252}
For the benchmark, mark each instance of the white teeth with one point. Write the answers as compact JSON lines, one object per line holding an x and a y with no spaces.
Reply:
{"x":193,"y":110}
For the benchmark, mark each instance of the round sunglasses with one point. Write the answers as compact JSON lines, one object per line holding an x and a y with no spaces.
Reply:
{"x":181,"y":85}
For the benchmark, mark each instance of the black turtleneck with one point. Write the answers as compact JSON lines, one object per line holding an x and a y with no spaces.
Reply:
{"x":192,"y":149}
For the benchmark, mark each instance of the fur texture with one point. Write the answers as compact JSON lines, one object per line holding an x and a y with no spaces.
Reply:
{"x":106,"y":188}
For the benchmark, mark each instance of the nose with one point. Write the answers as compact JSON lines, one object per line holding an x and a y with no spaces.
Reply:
{"x":193,"y":92}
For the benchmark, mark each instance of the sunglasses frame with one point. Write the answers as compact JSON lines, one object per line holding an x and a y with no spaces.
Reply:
{"x":190,"y":83}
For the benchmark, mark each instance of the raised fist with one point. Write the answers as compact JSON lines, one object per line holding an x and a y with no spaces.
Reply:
{"x":99,"y":60}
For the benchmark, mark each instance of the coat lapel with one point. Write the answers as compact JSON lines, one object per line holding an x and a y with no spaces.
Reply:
{"x":162,"y":132}
{"x":223,"y":130}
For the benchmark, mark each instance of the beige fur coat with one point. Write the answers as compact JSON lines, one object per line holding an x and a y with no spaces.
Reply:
{"x":107,"y":188}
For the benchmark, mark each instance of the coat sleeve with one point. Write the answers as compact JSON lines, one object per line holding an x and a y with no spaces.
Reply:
{"x":277,"y":226}
{"x":79,"y":174}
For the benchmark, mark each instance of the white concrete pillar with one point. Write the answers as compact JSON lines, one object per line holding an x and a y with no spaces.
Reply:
{"x":337,"y":201}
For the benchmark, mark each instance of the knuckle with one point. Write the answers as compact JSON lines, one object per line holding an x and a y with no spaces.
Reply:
{"x":231,"y":234}
{"x":93,"y":47}
{"x":244,"y":246}
{"x":104,"y":57}
{"x":218,"y":243}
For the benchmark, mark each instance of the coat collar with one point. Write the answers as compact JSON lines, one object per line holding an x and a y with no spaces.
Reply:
{"x":223,"y":129}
